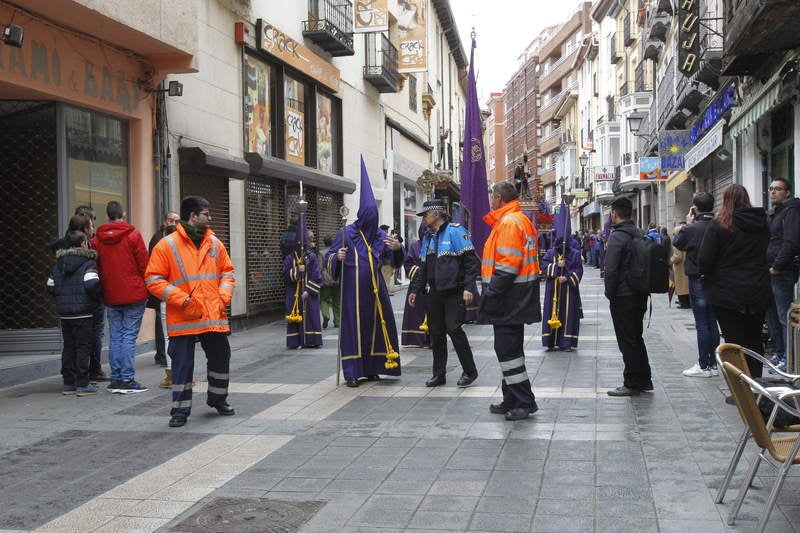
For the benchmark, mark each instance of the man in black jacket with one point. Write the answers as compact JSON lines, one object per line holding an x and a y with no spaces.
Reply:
{"x":784,"y":245}
{"x":688,"y":239}
{"x":170,"y":219}
{"x":450,"y":270}
{"x":627,"y":306}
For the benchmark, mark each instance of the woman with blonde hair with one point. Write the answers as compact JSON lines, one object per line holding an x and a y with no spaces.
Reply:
{"x":679,"y":275}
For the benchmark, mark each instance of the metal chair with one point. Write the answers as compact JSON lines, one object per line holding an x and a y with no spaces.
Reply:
{"x":735,"y":355}
{"x":778,"y":451}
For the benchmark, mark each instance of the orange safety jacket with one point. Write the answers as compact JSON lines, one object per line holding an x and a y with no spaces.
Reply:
{"x":178,"y":269}
{"x":510,"y":268}
{"x":512,"y":245}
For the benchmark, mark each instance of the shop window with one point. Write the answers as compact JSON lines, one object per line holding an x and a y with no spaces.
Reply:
{"x":327,"y":134}
{"x":258,"y":112}
{"x":97,"y":159}
{"x":294,"y":101}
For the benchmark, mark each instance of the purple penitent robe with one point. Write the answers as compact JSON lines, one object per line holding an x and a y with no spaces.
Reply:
{"x":570,"y":311}
{"x":307,"y":333}
{"x":413,"y":317}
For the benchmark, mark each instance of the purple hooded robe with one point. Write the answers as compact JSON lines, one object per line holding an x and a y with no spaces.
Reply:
{"x":570,"y":311}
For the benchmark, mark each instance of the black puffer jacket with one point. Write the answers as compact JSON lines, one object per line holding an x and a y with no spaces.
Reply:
{"x":784,"y":236}
{"x":689,"y":239}
{"x":618,"y":259}
{"x":75,"y":283}
{"x":733,"y":264}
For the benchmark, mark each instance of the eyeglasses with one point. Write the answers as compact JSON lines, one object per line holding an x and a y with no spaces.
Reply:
{"x":206,"y":213}
{"x":779,"y":189}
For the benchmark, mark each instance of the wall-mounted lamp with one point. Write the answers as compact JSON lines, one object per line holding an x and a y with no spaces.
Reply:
{"x":723,"y":154}
{"x":13,"y":35}
{"x":635,"y":125}
{"x":175,"y":88}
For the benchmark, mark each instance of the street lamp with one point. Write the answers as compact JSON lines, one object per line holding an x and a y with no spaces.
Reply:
{"x":583,"y":160}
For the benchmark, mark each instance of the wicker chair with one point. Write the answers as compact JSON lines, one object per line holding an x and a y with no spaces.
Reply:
{"x":735,"y":355}
{"x":776,"y":449}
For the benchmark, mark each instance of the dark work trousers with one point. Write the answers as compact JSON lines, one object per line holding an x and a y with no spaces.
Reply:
{"x":745,"y":330}
{"x":78,"y":336}
{"x":98,"y":324}
{"x":218,"y":359}
{"x":627,"y":313}
{"x":446,"y":313}
{"x":508,"y":340}
{"x":159,"y":336}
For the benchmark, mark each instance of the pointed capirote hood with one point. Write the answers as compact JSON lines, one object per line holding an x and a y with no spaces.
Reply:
{"x":367,"y":216}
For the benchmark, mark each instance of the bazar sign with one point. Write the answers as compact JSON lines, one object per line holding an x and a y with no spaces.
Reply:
{"x":273,"y":41}
{"x":705,"y":147}
{"x":672,"y":147}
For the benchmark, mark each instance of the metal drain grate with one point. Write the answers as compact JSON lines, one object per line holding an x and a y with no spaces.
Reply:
{"x":249,"y":515}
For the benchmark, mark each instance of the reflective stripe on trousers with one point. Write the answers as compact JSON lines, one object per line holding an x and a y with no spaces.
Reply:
{"x":516,"y":385}
{"x":218,"y":356}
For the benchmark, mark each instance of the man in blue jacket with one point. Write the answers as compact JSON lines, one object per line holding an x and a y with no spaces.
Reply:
{"x":450,"y":271}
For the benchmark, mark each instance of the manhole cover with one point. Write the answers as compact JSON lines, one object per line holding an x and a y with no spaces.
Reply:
{"x":249,"y":515}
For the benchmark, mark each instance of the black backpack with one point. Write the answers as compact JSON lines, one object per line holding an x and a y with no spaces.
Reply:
{"x":649,"y":266}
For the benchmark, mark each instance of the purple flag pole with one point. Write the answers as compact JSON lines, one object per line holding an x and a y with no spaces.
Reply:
{"x":474,"y":187}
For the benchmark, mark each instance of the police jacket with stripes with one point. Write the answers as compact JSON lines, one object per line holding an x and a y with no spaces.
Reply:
{"x":75,"y":283}
{"x":179,"y":269}
{"x":455,"y":265}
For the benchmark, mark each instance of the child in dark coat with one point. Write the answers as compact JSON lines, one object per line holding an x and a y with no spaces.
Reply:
{"x":75,"y":284}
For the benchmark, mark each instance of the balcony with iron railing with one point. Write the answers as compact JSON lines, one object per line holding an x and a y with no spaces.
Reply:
{"x":330,"y":26}
{"x":657,"y":21}
{"x":757,"y":31}
{"x":628,"y":33}
{"x":555,"y":72}
{"x":665,"y":95}
{"x":615,"y":55}
{"x":381,"y":67}
{"x":643,"y":77}
{"x":711,"y":49}
{"x":548,"y":109}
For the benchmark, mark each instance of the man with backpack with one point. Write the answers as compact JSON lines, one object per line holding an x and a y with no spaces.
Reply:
{"x":627,"y":305}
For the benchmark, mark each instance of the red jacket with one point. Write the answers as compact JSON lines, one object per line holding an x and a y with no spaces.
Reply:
{"x":122,"y":260}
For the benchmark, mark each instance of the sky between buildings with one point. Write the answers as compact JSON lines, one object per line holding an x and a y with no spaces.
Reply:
{"x":504,"y":28}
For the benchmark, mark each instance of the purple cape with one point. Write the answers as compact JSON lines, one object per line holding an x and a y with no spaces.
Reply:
{"x":309,"y":331}
{"x":413,"y":317}
{"x":570,"y":309}
{"x":363,"y":347}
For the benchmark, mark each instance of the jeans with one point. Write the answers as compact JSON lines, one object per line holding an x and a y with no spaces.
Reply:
{"x":627,"y":314}
{"x":98,"y":324}
{"x":783,"y":293}
{"x":705,"y":322}
{"x":124,"y":322}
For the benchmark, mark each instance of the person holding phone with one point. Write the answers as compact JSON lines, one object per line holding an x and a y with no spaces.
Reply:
{"x":688,"y":239}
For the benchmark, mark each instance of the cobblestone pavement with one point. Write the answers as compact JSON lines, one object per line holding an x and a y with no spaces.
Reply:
{"x":391,"y":455}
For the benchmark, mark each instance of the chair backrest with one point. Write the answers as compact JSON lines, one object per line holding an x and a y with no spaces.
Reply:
{"x":733,"y":355}
{"x":746,"y":402}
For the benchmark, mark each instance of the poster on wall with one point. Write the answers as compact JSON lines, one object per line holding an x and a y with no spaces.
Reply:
{"x":324,"y":133}
{"x":413,"y":30}
{"x":295,"y":135}
{"x":371,"y":16}
{"x":257,"y":107}
{"x":650,"y":169}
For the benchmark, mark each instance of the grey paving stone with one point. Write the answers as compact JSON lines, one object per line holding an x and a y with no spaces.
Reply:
{"x":543,"y":523}
{"x":404,"y":487}
{"x":507,"y":504}
{"x":367,"y":486}
{"x":500,"y":522}
{"x":462,"y":504}
{"x":382,"y":518}
{"x":627,"y":525}
{"x":439,"y":520}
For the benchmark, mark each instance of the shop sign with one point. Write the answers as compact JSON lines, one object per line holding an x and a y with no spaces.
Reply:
{"x":672,"y":147}
{"x":371,"y":16}
{"x":688,"y":37}
{"x":413,"y":31}
{"x":605,"y":173}
{"x":650,"y":170}
{"x":273,"y":41}
{"x":579,"y":193}
{"x":295,"y":135}
{"x":705,"y":147}
{"x":714,"y":112}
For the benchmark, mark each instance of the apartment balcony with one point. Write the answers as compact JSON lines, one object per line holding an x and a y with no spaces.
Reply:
{"x":653,"y":49}
{"x":557,"y":71}
{"x":629,"y":174}
{"x":381,"y":67}
{"x":330,"y":26}
{"x":547,"y":111}
{"x":628,"y":36}
{"x":548,"y":176}
{"x":550,"y":143}
{"x":643,"y":78}
{"x":755,"y":30}
{"x":690,"y":95}
{"x":711,"y":49}
{"x":614,"y":53}
{"x":658,"y":27}
{"x":604,"y":191}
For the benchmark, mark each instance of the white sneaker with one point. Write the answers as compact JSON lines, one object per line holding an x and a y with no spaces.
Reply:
{"x":714,"y":371}
{"x":697,"y":372}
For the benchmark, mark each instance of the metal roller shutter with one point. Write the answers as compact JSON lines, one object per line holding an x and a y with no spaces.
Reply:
{"x":215,"y":190}
{"x":265,"y":223}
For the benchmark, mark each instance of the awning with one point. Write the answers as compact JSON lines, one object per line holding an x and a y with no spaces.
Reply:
{"x":705,"y":146}
{"x":676,"y":179}
{"x":755,"y":106}
{"x":212,"y":163}
{"x":286,"y":170}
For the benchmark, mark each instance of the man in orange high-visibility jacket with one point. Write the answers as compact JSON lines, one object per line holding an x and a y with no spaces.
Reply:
{"x":191,"y":271}
{"x":510,"y":296}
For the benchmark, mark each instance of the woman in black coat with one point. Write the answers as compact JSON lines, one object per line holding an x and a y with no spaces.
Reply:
{"x":733,"y":267}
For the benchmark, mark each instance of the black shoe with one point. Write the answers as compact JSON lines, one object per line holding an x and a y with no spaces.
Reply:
{"x":501,"y":408}
{"x":324,"y":322}
{"x":624,"y":391}
{"x":435,"y":381}
{"x":567,"y":349}
{"x":520,"y":413}
{"x":353,"y":383}
{"x":729,"y":400}
{"x":647,"y":388}
{"x":466,"y":380}
{"x":160,"y":359}
{"x":373,"y":377}
{"x":99,"y":376}
{"x":177,"y":421}
{"x":224,"y":409}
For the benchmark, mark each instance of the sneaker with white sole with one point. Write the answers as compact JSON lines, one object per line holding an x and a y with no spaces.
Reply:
{"x":714,"y":371}
{"x":697,"y":372}
{"x":129,"y":387}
